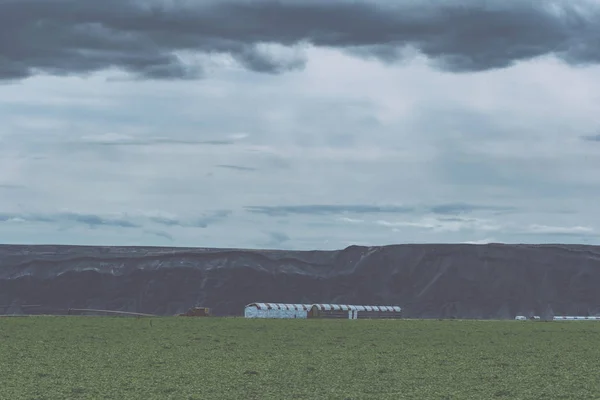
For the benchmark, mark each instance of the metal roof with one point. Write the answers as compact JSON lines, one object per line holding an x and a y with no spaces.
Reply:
{"x":562,"y":318}
{"x":344,"y":307}
{"x":325,"y":307}
{"x":280,"y":306}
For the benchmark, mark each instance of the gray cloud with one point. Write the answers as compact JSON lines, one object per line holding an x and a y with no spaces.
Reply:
{"x":91,"y":220}
{"x":217,"y":142}
{"x":161,"y":234}
{"x":326,"y":209}
{"x":464,"y":208}
{"x":94,"y":221}
{"x":277,"y":239}
{"x":236,"y":167}
{"x":206,"y":220}
{"x":8,"y":186}
{"x":64,"y":37}
{"x":153,"y":141}
{"x":577,"y":235}
{"x":199,"y":222}
{"x":592,"y":138}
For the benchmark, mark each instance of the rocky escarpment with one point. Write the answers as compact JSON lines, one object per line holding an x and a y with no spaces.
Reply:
{"x":428,"y":281}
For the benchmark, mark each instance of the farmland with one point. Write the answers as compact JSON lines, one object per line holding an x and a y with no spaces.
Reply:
{"x":233,"y":358}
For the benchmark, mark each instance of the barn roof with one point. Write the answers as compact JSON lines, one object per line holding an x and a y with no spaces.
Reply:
{"x":561,"y":318}
{"x":280,"y":306}
{"x":327,"y":307}
{"x":344,"y":307}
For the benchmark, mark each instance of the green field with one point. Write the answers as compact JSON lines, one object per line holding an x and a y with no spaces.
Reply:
{"x":234,"y":358}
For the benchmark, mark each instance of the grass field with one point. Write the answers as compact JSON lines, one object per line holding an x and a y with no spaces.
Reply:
{"x":231,"y":358}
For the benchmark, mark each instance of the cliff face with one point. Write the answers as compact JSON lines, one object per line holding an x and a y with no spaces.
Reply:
{"x":428,"y":281}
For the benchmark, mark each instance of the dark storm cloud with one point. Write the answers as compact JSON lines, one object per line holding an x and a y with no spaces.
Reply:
{"x":79,"y":36}
{"x":326,"y":209}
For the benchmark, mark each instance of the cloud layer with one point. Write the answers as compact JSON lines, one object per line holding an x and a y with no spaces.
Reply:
{"x":162,"y":40}
{"x":314,"y":124}
{"x":119,"y":221}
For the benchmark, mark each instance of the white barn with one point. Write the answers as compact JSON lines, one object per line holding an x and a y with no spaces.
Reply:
{"x":276,"y":310}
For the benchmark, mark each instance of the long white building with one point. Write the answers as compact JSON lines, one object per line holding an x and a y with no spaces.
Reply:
{"x":278,"y":310}
{"x":559,"y":318}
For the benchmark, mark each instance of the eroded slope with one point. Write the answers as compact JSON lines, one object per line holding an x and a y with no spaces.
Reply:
{"x":464,"y":281}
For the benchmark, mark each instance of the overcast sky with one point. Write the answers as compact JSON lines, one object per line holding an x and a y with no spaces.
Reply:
{"x":299,"y":124}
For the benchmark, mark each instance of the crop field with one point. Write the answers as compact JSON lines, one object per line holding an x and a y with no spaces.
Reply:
{"x":235,"y":358}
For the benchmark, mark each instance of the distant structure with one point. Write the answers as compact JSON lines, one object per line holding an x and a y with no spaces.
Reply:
{"x":567,"y":318}
{"x":272,"y":310}
{"x":344,"y":311}
{"x":559,"y":318}
{"x":524,"y":318}
{"x":197,"y":312}
{"x":354,"y":312}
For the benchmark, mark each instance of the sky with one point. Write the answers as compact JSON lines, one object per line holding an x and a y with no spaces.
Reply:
{"x":299,"y":124}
